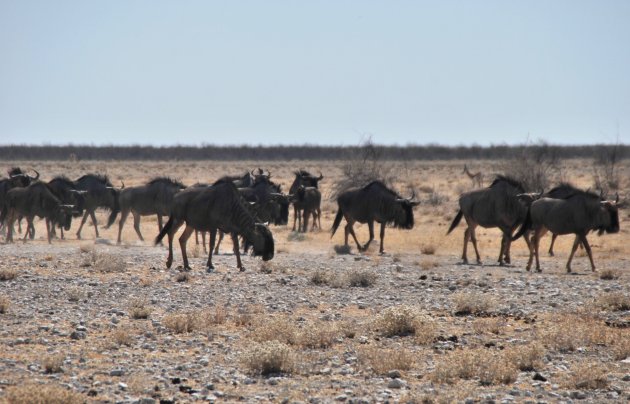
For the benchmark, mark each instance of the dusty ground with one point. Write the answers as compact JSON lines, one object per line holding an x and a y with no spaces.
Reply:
{"x":410,"y":325}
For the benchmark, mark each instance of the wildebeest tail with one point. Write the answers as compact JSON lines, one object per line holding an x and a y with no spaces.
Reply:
{"x":337,"y":221}
{"x":456,"y":221}
{"x":167,"y":227}
{"x":3,"y":214}
{"x":527,"y":224}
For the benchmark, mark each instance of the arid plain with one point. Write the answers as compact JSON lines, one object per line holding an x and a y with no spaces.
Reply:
{"x":88,"y":320}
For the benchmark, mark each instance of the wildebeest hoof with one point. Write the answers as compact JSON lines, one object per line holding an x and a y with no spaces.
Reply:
{"x":242,"y":269}
{"x":210,"y":269}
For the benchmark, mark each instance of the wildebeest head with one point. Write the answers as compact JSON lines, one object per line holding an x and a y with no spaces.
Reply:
{"x":280,"y":212}
{"x":403,"y":216}
{"x":20,"y":178}
{"x":263,"y":242}
{"x":303,"y":177}
{"x":63,"y":216}
{"x":78,"y":197}
{"x":113,"y":201}
{"x":608,"y":216}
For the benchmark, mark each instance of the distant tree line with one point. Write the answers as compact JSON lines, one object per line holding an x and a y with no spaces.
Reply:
{"x":308,"y":152}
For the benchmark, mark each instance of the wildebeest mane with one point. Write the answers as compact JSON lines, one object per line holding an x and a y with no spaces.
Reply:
{"x":511,"y":181}
{"x":379,"y":184}
{"x":65,"y":180}
{"x":15,"y":171}
{"x":167,"y":180}
{"x":99,"y":177}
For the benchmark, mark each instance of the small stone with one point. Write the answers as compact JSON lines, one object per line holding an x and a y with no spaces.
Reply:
{"x":539,"y":377}
{"x":363,"y":339}
{"x":394,"y":374}
{"x":117,"y":372}
{"x":396,"y":384}
{"x":78,"y":335}
{"x":578,"y":395}
{"x":626,"y":378}
{"x":122,"y":386}
{"x":325,"y":371}
{"x":341,"y":397}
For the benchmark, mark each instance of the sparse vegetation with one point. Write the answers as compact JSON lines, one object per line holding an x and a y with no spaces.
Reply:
{"x":609,"y":274}
{"x":42,"y":394}
{"x":526,"y":357}
{"x":588,"y":376}
{"x":195,"y":320}
{"x":8,"y":274}
{"x":466,"y":303}
{"x":614,"y":301}
{"x":270,"y":357}
{"x":490,"y":367}
{"x":182,"y":277}
{"x":139,"y":309}
{"x":362,"y":278}
{"x":405,"y":320}
{"x":122,"y":336}
{"x":428,"y":249}
{"x":53,"y":363}
{"x":5,"y":303}
{"x":382,"y":360}
{"x":75,"y":294}
{"x":105,"y":262}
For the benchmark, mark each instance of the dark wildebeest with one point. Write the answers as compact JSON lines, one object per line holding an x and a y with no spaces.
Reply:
{"x":306,"y":179}
{"x":66,"y":191}
{"x":154,"y":198}
{"x":308,"y":200}
{"x":34,"y":200}
{"x":17,"y":178}
{"x":499,"y":206}
{"x":373,"y":203}
{"x":576,"y":214}
{"x":219,"y":207}
{"x":100,"y":194}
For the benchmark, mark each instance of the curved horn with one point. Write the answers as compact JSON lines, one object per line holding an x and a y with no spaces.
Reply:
{"x":321,"y":176}
{"x":67,"y":206}
{"x":617,"y":198}
{"x":123,"y":184}
{"x":36,"y":177}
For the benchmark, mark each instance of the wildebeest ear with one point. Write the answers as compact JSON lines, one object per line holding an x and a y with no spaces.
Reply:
{"x":414,"y":203}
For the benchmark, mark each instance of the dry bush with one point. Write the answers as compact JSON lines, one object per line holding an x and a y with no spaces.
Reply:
{"x":4,"y":304}
{"x":428,"y":249}
{"x":381,"y":360}
{"x":405,"y":320}
{"x":245,"y":316}
{"x":42,"y":394}
{"x":196,"y":320}
{"x":609,"y":274}
{"x":279,"y":329}
{"x":588,"y":376}
{"x":425,"y":265}
{"x":363,"y":278}
{"x":619,"y":340}
{"x":317,"y":336}
{"x":8,"y":274}
{"x":490,"y":367}
{"x":472,"y":303}
{"x":535,"y":166}
{"x":526,"y":357}
{"x":122,"y":336}
{"x":53,"y":363}
{"x":270,"y":357}
{"x":182,"y":277}
{"x":348,"y":328}
{"x":86,"y":248}
{"x":296,"y":236}
{"x":435,"y":198}
{"x":342,"y":249}
{"x":105,"y":262}
{"x":312,"y":335}
{"x":491,"y":325}
{"x":567,"y":332}
{"x":614,"y":301}
{"x":320,"y":277}
{"x":75,"y":294}
{"x":139,"y":309}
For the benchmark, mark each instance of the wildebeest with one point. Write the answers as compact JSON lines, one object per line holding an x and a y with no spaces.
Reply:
{"x":577,"y":214}
{"x":306,"y":179}
{"x":34,"y":200}
{"x":308,"y":200}
{"x":153,"y":198}
{"x":100,"y":194}
{"x":66,"y":191}
{"x":219,"y":207}
{"x":17,"y":178}
{"x":373,"y":203}
{"x":495,"y":206}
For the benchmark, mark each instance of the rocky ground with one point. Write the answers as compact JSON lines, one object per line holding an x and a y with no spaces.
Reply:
{"x":86,"y":320}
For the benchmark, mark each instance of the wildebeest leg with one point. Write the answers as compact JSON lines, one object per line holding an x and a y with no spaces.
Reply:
{"x":464,"y":252}
{"x":216,"y":249}
{"x":237,"y":252}
{"x":160,"y":223}
{"x":370,"y":224}
{"x":350,"y":229}
{"x":136,"y":224}
{"x":182,"y":244}
{"x":553,"y":240}
{"x":85,"y":216}
{"x":61,"y":230}
{"x":121,"y":224}
{"x":30,"y":229}
{"x":314,"y":212}
{"x":10,"y":222}
{"x":319,"y":218}
{"x":473,"y":238}
{"x":203,"y":241}
{"x":587,"y":247}
{"x":297,"y":217}
{"x":213,"y":237}
{"x":573,"y":249}
{"x":93,"y":216}
{"x":48,"y":226}
{"x":382,"y":249}
{"x":538,"y":233}
{"x":26,"y":232}
{"x":305,"y":215}
{"x":171,"y":234}
{"x":504,"y":251}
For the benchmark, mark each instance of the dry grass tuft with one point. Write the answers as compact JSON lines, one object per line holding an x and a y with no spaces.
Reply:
{"x":428,"y":249}
{"x":8,"y":274}
{"x":381,"y":361}
{"x":105,"y":262}
{"x":5,"y":303}
{"x":86,"y":248}
{"x":588,"y":376}
{"x":75,"y":294}
{"x":467,"y":303}
{"x":526,"y":357}
{"x":296,"y":236}
{"x":405,"y":320}
{"x":123,"y":336}
{"x":491,"y":325}
{"x":182,"y":277}
{"x":196,"y":320}
{"x":614,"y":301}
{"x":139,"y":309}
{"x":425,"y":265}
{"x":311,"y":335}
{"x":270,"y":357}
{"x":609,"y":274}
{"x":363,"y":278}
{"x":53,"y":363}
{"x":342,"y":249}
{"x":490,"y":367}
{"x":320,"y":277}
{"x":42,"y":394}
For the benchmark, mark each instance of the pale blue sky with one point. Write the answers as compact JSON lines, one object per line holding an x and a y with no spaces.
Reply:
{"x":326,"y":72}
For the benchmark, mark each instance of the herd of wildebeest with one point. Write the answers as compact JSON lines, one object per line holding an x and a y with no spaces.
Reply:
{"x":244,"y":206}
